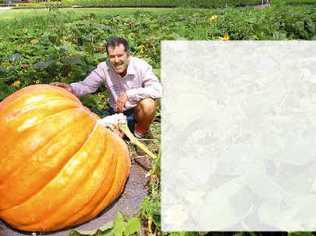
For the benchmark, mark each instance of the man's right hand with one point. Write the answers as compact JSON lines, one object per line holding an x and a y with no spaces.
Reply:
{"x":121,"y":102}
{"x":62,"y":85}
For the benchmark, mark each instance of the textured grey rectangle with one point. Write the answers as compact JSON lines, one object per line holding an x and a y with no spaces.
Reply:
{"x":238,"y":136}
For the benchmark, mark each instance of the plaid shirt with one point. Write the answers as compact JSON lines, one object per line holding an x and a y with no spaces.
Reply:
{"x":138,"y":83}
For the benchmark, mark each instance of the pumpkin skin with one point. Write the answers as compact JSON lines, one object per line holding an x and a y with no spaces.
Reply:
{"x":58,"y":166}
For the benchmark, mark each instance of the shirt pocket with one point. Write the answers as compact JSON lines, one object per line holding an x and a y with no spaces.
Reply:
{"x":132,"y":84}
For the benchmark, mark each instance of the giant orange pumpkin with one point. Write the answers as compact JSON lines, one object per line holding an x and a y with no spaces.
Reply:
{"x":58,"y":166}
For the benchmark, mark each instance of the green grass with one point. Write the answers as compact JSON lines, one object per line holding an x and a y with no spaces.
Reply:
{"x":147,"y":3}
{"x":160,"y":3}
{"x":34,"y":13}
{"x":296,"y":2}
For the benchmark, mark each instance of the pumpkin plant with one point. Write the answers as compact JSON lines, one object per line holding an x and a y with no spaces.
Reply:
{"x":59,"y":167}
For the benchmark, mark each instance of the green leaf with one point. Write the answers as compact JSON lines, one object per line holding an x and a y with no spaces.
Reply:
{"x":119,"y":225}
{"x":100,"y":56}
{"x":5,"y":90}
{"x":15,"y":57}
{"x":133,"y":226}
{"x":300,"y":234}
{"x":157,"y":72}
{"x":42,"y":65}
{"x":108,"y":232}
{"x":102,"y":231}
{"x":83,"y":232}
{"x":251,"y":20}
{"x":74,"y":60}
{"x":239,"y":234}
{"x":3,"y":70}
{"x":107,"y":226}
{"x":76,"y":233}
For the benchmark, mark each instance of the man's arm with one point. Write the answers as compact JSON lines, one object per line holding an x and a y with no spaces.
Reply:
{"x":91,"y":83}
{"x":151,"y":87}
{"x":62,"y":85}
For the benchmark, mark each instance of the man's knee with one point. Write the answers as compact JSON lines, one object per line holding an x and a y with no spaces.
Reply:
{"x":147,"y":105}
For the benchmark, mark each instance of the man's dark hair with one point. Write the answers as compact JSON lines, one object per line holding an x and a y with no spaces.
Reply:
{"x":116,"y":41}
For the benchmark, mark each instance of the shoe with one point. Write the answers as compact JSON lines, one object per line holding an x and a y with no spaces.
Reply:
{"x":138,"y":135}
{"x":144,"y":137}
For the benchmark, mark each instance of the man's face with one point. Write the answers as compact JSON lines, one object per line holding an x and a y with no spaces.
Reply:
{"x":118,"y":58}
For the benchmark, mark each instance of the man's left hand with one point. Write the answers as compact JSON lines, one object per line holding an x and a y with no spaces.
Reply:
{"x":121,"y":101}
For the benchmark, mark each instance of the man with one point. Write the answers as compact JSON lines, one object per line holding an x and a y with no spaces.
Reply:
{"x":132,"y":84}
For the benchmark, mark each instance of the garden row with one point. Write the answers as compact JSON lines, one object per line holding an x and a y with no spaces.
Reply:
{"x":138,"y":3}
{"x":63,"y":45}
{"x":158,"y":3}
{"x":165,"y":3}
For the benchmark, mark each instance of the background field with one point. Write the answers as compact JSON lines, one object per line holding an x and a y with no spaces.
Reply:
{"x":153,"y":3}
{"x":54,"y":44}
{"x":149,"y":3}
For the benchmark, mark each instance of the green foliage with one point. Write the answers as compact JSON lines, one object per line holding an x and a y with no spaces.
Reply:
{"x":300,"y":234}
{"x":31,"y":5}
{"x":154,"y":3}
{"x":294,"y":2}
{"x":5,"y":90}
{"x":62,"y":45}
{"x":120,"y":227}
{"x":150,"y":208}
{"x":96,"y":102}
{"x":161,"y":3}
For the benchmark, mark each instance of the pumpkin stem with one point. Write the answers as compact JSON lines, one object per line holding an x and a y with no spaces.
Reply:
{"x":134,"y":140}
{"x":120,"y":121}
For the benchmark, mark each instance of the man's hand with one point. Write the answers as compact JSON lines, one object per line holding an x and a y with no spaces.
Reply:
{"x":120,"y":103}
{"x":62,"y":85}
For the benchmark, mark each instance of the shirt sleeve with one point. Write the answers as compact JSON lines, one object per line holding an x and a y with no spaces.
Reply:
{"x":91,"y":83}
{"x":151,"y":87}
